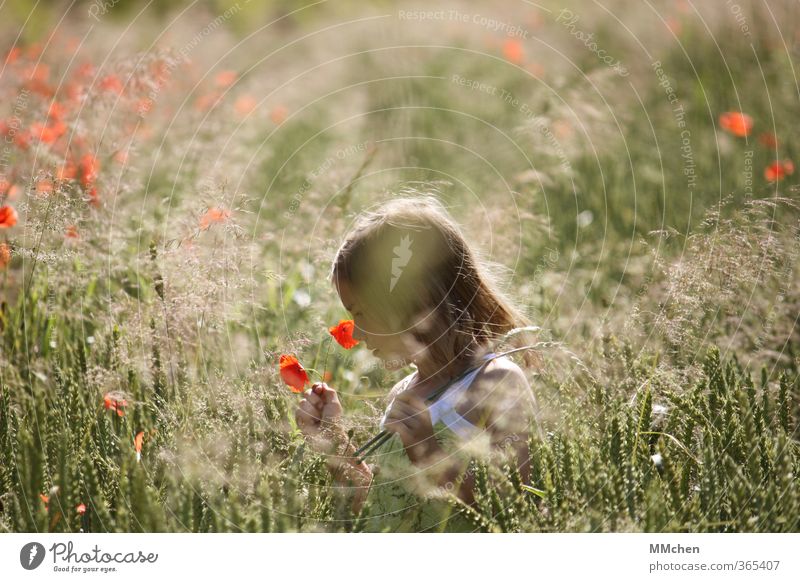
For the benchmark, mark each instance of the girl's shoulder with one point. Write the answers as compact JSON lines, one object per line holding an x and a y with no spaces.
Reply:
{"x":502,"y":370}
{"x":497,"y":388}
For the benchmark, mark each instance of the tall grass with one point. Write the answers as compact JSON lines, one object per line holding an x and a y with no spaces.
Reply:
{"x":199,"y":252}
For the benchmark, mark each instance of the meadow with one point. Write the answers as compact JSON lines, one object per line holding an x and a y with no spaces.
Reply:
{"x":175,"y":181}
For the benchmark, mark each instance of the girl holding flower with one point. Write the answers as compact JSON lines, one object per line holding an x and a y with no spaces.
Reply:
{"x":419,"y":295}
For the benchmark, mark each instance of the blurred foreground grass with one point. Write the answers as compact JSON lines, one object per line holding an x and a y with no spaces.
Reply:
{"x":178,"y":214}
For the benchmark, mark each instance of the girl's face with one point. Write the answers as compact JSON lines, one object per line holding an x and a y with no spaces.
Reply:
{"x":396,"y":349}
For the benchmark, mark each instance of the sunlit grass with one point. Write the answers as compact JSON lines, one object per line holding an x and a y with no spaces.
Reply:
{"x":175,"y":223}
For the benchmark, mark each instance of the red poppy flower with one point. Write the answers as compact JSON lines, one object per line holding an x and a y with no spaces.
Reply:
{"x":226,"y":78}
{"x":43,"y":187}
{"x":278,"y":114}
{"x":89,"y":168}
{"x":513,"y":51}
{"x":81,"y":508}
{"x":73,"y":91}
{"x":13,"y":54}
{"x":112,"y":403}
{"x":214,"y":215}
{"x":736,"y":122}
{"x":37,"y":72}
{"x":778,"y":170}
{"x":48,"y":132}
{"x":137,"y":443}
{"x":8,"y":190}
{"x":112,"y":83}
{"x":208,"y":100}
{"x":245,"y":104}
{"x":160,"y":71}
{"x":56,"y":110}
{"x":293,"y":373}
{"x":66,"y":171}
{"x":343,"y":333}
{"x":8,"y":216}
{"x":22,"y":139}
{"x":45,"y":499}
{"x":86,"y":70}
{"x":36,"y":77}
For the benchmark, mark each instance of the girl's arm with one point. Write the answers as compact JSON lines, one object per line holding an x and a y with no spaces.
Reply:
{"x":500,"y":401}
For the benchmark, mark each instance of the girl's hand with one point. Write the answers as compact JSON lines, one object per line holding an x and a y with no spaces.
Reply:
{"x":319,"y":410}
{"x":318,"y":416}
{"x":409,"y":417}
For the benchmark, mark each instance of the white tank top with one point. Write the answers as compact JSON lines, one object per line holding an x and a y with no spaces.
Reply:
{"x":444,"y":408}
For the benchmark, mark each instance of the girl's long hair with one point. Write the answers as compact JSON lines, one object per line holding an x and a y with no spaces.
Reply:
{"x":411,"y":268}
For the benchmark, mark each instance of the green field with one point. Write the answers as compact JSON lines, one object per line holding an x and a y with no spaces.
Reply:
{"x":182,"y":177}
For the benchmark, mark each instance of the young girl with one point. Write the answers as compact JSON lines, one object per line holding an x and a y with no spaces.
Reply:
{"x":419,"y":295}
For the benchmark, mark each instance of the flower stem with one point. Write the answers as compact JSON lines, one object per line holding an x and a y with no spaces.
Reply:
{"x":325,"y":361}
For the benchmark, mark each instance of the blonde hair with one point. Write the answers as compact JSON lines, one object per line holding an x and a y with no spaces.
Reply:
{"x":411,"y":268}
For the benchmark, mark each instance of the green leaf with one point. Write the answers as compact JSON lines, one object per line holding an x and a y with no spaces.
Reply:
{"x":535,"y":491}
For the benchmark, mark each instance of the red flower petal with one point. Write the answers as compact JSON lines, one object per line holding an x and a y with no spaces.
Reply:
{"x":293,"y":373}
{"x":226,"y":78}
{"x":67,"y":171}
{"x":137,"y":444}
{"x":56,"y":110}
{"x":115,"y":404}
{"x":343,"y":333}
{"x":278,"y":114}
{"x":112,"y":83}
{"x":778,"y":170}
{"x":214,"y":215}
{"x":513,"y":51}
{"x":89,"y":168}
{"x":8,"y":216}
{"x":736,"y":122}
{"x":13,"y":54}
